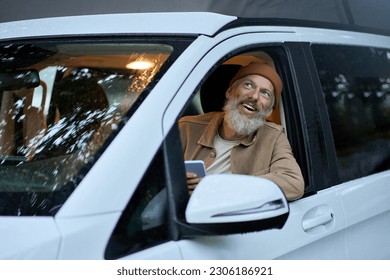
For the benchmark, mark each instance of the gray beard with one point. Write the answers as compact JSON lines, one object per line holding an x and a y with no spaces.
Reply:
{"x":242,"y":124}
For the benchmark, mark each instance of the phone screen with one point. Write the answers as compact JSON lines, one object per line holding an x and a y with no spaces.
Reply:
{"x":196,"y":166}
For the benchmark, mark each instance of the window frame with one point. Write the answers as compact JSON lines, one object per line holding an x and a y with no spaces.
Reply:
{"x":298,"y":132}
{"x":321,"y":97}
{"x":318,"y":139}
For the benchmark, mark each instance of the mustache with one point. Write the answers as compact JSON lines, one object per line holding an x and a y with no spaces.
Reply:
{"x":251,"y":103}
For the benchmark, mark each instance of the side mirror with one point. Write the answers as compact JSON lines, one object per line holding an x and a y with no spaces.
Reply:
{"x":222,"y":202}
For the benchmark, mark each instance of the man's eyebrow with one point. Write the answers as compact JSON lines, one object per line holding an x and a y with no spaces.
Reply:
{"x":246,"y":79}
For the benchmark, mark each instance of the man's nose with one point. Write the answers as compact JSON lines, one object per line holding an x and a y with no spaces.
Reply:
{"x":254,"y":95}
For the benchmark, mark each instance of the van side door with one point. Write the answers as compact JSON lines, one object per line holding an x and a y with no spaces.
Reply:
{"x":356,"y":85}
{"x":315,"y":227}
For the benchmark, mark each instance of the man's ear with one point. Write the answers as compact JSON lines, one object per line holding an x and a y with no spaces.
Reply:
{"x":228,"y":92}
{"x":269,"y":112}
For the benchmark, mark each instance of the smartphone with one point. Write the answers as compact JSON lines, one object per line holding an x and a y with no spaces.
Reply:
{"x":196,"y":166}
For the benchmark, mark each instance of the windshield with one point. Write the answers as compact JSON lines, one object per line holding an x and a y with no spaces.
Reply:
{"x":59,"y":104}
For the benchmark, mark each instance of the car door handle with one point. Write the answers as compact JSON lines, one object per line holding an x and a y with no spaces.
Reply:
{"x":322,"y":219}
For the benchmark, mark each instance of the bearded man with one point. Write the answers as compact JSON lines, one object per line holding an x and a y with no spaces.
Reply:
{"x":239,"y":140}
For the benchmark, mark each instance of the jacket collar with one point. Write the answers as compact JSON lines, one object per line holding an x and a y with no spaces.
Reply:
{"x":207,"y":138}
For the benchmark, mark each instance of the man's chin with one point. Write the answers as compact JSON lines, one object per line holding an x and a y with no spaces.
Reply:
{"x":246,"y":127}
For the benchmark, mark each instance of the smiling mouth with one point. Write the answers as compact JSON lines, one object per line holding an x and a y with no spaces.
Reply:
{"x":249,"y":107}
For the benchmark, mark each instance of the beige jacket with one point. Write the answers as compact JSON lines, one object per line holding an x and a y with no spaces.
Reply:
{"x":266,"y":153}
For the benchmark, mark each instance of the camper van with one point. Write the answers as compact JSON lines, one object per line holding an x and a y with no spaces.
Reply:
{"x":91,"y":160}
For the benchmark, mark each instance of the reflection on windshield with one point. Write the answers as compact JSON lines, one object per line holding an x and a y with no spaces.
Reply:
{"x":59,"y":105}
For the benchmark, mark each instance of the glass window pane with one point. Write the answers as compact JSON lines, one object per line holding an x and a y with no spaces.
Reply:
{"x":59,"y":103}
{"x":356,"y":86}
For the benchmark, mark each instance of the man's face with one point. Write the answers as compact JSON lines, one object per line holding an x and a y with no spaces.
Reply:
{"x":249,"y":102}
{"x":255,"y":93}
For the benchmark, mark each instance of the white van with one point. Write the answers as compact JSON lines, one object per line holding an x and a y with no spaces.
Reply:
{"x":91,"y":160}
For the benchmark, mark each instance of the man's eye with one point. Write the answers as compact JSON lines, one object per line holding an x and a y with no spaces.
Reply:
{"x":266,"y":94}
{"x":248,"y":85}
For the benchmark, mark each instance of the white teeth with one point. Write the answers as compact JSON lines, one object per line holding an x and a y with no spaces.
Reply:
{"x":250,"y":108}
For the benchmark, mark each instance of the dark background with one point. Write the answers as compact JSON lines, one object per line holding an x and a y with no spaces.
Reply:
{"x":364,"y":13}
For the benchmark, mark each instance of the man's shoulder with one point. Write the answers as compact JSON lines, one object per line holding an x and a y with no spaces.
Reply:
{"x":273,"y":126}
{"x":198,"y":119}
{"x":270,"y":131}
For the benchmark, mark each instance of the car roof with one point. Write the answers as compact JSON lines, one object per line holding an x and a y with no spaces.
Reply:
{"x":136,"y":23}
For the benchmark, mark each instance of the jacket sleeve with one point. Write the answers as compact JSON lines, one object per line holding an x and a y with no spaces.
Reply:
{"x":284,"y":170}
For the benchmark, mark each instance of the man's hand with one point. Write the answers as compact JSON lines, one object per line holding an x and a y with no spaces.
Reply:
{"x":192,"y":181}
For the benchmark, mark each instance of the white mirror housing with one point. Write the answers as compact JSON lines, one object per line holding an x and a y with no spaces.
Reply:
{"x":232,"y":198}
